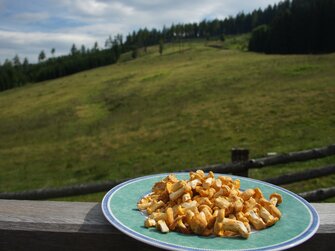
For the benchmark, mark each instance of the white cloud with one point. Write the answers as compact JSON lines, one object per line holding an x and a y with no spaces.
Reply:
{"x":29,"y":44}
{"x":90,"y":7}
{"x":100,"y":30}
{"x":100,"y":9}
{"x":31,"y":17}
{"x":60,"y":23}
{"x":21,"y":38}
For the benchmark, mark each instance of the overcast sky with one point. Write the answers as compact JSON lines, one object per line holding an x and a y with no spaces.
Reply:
{"x":29,"y":26}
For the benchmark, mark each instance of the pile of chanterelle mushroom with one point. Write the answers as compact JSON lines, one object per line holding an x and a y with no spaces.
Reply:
{"x":206,"y":205}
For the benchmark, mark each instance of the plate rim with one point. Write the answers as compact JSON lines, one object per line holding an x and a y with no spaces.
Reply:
{"x":295,"y":241}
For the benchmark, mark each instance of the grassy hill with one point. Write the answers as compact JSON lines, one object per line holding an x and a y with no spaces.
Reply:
{"x":186,"y":108}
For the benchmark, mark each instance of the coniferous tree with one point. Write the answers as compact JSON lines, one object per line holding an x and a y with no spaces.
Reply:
{"x":53,"y":50}
{"x":95,"y":47}
{"x":259,"y":39}
{"x":116,"y":49}
{"x":41,"y":56}
{"x":298,"y":27}
{"x":16,"y":61}
{"x":25,"y":62}
{"x":82,"y":49}
{"x":109,"y":42}
{"x":73,"y":50}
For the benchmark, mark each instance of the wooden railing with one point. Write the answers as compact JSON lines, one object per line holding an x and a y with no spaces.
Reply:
{"x":240,"y":165}
{"x":50,"y":225}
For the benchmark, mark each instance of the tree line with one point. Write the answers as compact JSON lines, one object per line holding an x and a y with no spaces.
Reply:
{"x":14,"y":73}
{"x":297,"y":26}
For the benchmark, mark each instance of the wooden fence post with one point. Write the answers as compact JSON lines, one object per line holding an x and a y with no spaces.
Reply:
{"x":240,"y":155}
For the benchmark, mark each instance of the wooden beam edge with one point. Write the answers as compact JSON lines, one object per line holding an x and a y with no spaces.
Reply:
{"x":81,"y":217}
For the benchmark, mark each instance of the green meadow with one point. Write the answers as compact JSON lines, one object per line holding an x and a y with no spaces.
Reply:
{"x":161,"y":113}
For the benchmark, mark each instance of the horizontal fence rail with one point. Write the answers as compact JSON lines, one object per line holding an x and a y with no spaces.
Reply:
{"x":305,"y":155}
{"x":302,"y":175}
{"x":319,"y":194}
{"x":51,"y":225}
{"x":47,"y":193}
{"x":239,"y":168}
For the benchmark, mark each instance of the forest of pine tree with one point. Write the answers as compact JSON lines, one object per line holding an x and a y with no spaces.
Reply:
{"x":299,"y":27}
{"x":291,"y":26}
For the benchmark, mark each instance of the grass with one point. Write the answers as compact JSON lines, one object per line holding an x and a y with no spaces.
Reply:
{"x":186,"y":108}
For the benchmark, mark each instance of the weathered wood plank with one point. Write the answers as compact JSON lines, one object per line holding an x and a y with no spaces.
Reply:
{"x":273,"y":160}
{"x":302,"y":175}
{"x":294,"y":156}
{"x":53,"y":216}
{"x":72,"y":190}
{"x":47,"y":225}
{"x":319,"y":194}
